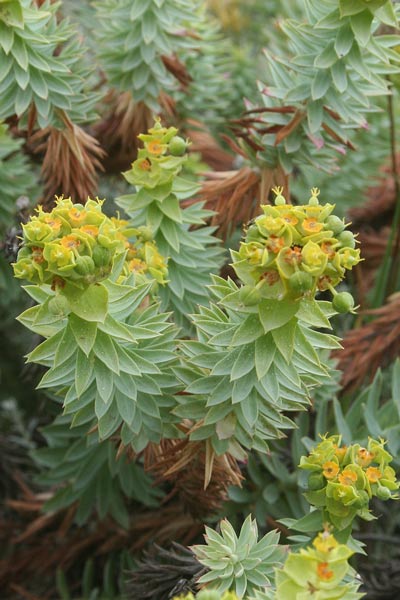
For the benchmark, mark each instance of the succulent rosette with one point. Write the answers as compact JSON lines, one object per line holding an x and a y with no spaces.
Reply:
{"x":296,"y":251}
{"x":320,"y":571}
{"x":343,"y":479}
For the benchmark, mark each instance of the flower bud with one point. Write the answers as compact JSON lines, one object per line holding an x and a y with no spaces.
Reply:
{"x":316,"y":481}
{"x":347,"y":239}
{"x":334,"y":224}
{"x":84,"y":265}
{"x":101,"y":256}
{"x":59,"y":306}
{"x":300,"y":282}
{"x":177,"y":146}
{"x":343,"y":302}
{"x":383,"y":493}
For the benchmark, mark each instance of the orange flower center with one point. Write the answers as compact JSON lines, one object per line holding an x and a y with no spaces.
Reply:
{"x":324,"y":572}
{"x":270,"y":277}
{"x":37,"y":254}
{"x":293,"y":255}
{"x":330,"y":469}
{"x":373,"y":474}
{"x":312,"y":225}
{"x":291,"y":219}
{"x":90,"y":230}
{"x":70,"y":241}
{"x":347,"y":477}
{"x":155,"y":147}
{"x":275,"y":244}
{"x":145,"y":165}
{"x":327,"y":248}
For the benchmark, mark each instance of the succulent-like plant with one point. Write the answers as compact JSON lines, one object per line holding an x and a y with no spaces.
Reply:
{"x":240,"y":563}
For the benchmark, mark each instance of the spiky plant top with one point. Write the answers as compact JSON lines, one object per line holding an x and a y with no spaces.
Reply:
{"x":104,"y":331}
{"x":343,"y":479}
{"x":295,"y":251}
{"x":180,"y":233}
{"x":239,"y":562}
{"x":320,"y":571}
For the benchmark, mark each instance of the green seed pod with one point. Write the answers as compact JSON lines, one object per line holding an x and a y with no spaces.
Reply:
{"x":334,"y":224}
{"x":316,"y":481}
{"x":383,"y":493}
{"x":101,"y":256}
{"x":347,"y":239}
{"x":59,"y":306}
{"x":85,"y":265}
{"x":362,"y":500}
{"x":300,"y":282}
{"x":249,"y":295}
{"x":146,"y":233}
{"x":177,"y":146}
{"x":343,"y":302}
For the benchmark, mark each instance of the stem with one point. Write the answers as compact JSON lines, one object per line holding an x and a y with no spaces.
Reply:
{"x":389,"y":272}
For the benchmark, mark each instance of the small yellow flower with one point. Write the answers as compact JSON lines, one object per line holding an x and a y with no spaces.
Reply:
{"x":137,"y":265}
{"x":364,"y":457}
{"x":144,"y":165}
{"x":70,"y":241}
{"x":373,"y":474}
{"x":311,"y":225}
{"x":156,"y":147}
{"x":347,"y":477}
{"x":37,"y":255}
{"x":90,"y":230}
{"x":327,"y":247}
{"x":290,"y":219}
{"x":330,"y":469}
{"x":325,"y":542}
{"x":292,"y":255}
{"x":275,"y":244}
{"x":77,"y":216}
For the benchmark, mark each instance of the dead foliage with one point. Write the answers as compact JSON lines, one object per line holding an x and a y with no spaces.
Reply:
{"x":71,"y":159}
{"x":38,"y":543}
{"x":373,"y":345}
{"x":198,"y":476}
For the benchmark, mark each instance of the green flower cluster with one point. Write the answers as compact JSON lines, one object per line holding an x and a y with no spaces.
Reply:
{"x":208,"y":595}
{"x":160,"y":160}
{"x":343,"y":479}
{"x":78,"y":244}
{"x":294,"y":251}
{"x":321,"y":572}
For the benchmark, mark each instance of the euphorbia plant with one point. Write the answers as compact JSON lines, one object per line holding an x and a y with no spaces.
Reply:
{"x":257,"y":355}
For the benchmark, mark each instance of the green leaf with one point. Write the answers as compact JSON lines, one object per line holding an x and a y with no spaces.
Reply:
{"x":249,"y":408}
{"x":104,"y":381}
{"x":248,"y":331}
{"x":327,"y":57}
{"x":310,"y":523}
{"x":83,"y":372}
{"x":361,"y":26}
{"x":84,"y":332}
{"x":244,"y":362}
{"x":320,"y":84}
{"x":116,"y":329}
{"x":264,"y":354}
{"x":89,"y":305}
{"x":284,"y":339}
{"x":46,"y":349}
{"x":339,"y":76}
{"x":341,"y":423}
{"x":126,"y":407}
{"x":109,"y":422}
{"x":105,"y":350}
{"x":171,"y":208}
{"x":344,"y":40}
{"x":19,"y":52}
{"x":6,"y":37}
{"x":11,"y":13}
{"x":310,"y":312}
{"x":351,"y":7}
{"x":387,"y":14}
{"x":315,"y":114}
{"x":275,"y":313}
{"x":171,"y":233}
{"x":396,"y":385}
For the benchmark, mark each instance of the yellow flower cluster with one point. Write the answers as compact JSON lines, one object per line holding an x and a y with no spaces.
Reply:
{"x":343,"y":479}
{"x":78,"y":243}
{"x":295,"y":250}
{"x":318,"y":570}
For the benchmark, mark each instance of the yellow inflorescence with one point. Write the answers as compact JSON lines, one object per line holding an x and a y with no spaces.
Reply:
{"x":295,"y":250}
{"x":78,"y":243}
